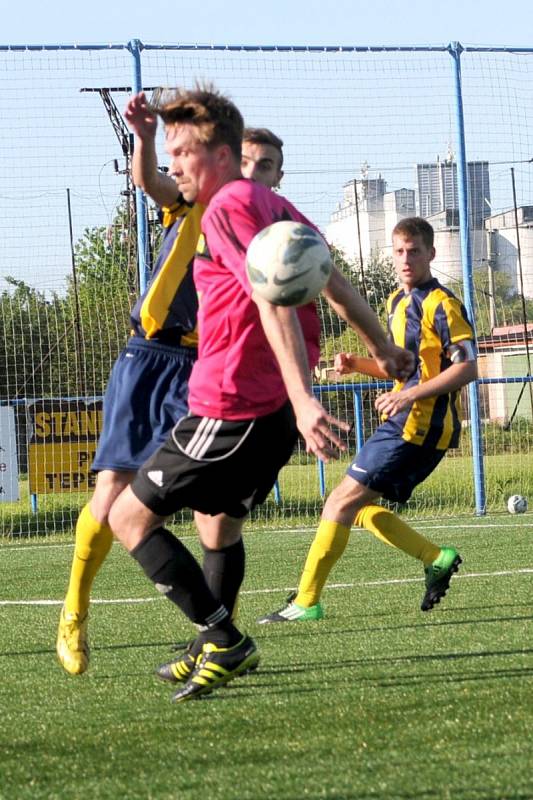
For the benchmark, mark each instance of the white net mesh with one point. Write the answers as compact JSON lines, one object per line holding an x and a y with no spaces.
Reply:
{"x":369,"y":137}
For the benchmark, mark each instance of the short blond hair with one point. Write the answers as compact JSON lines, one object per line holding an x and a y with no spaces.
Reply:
{"x":215,"y":117}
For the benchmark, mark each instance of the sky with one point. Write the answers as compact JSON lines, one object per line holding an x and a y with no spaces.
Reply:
{"x":313,"y":22}
{"x":334,"y":113}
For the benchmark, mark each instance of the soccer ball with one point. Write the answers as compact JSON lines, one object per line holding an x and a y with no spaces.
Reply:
{"x":288,"y":263}
{"x":517,"y":504}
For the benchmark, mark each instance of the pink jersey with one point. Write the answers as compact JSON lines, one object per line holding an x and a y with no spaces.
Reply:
{"x":237,"y":374}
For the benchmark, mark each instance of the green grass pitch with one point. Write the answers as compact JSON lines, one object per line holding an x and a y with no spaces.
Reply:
{"x":378,"y":700}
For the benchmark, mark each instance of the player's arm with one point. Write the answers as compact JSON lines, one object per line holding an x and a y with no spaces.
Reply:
{"x":461,"y":371}
{"x":143,"y":122}
{"x":348,"y":304}
{"x":346,"y":363}
{"x":284,"y":334}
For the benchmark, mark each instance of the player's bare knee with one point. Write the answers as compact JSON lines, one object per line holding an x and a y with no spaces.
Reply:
{"x":130,"y":520}
{"x":109,"y":484}
{"x":217,"y":532}
{"x":345,"y":500}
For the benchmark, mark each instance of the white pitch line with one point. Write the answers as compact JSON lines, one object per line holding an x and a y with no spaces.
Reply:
{"x":473,"y":525}
{"x":123,"y":601}
{"x":360,"y":584}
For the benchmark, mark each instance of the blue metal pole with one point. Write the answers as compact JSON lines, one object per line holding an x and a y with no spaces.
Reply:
{"x":135,"y":47}
{"x":455,"y":49}
{"x":358,"y":421}
{"x":322,"y":478}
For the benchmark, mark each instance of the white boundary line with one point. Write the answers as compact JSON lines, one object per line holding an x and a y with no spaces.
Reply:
{"x":474,"y":525}
{"x":392,"y":582}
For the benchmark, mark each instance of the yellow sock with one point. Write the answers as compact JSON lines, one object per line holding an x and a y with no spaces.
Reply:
{"x":328,"y":546}
{"x":395,"y":532}
{"x":93,"y":542}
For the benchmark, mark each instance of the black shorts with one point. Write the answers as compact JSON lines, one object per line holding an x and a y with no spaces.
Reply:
{"x":216,"y":466}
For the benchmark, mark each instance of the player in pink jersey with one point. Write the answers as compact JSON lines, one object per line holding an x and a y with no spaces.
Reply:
{"x":234,"y":351}
{"x":148,"y":388}
{"x":250,"y":391}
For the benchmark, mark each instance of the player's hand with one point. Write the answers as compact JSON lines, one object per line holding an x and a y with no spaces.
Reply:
{"x":397,"y":362}
{"x":342,"y":364}
{"x":391,"y":403}
{"x":314,"y":423}
{"x":141,"y":120}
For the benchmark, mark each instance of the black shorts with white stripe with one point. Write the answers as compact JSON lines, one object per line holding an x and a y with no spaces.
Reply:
{"x":217,"y":466}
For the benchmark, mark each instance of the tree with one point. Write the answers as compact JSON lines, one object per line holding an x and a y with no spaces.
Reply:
{"x":98,"y":302}
{"x":503,"y":306}
{"x":379,"y":281}
{"x":65,"y":345}
{"x":32,"y":330}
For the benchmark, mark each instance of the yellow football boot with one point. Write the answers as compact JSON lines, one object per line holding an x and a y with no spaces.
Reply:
{"x":72,"y":646}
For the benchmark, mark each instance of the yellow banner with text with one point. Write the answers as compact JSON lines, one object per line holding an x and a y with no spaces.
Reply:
{"x":62,"y":442}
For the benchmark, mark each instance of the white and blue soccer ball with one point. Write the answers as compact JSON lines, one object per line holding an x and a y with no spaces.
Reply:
{"x":517,"y":504}
{"x":288,"y":263}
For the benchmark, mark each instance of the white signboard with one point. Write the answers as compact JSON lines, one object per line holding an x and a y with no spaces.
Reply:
{"x":9,"y":474}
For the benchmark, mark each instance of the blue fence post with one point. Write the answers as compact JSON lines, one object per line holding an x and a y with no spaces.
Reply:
{"x":135,"y":47}
{"x":455,"y":49}
{"x":322,"y":478}
{"x":317,"y":391}
{"x":358,"y":420}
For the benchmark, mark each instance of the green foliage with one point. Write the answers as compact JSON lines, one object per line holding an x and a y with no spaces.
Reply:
{"x":500,"y":307}
{"x":375,"y":284}
{"x":380,"y":281}
{"x":64,"y":345}
{"x":32,"y":331}
{"x":99,"y":300}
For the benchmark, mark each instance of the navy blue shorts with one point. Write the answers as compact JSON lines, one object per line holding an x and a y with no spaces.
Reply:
{"x":146,"y":394}
{"x":391,"y":466}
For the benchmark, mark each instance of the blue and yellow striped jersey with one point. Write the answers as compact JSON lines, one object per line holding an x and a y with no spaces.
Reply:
{"x":167,"y":311}
{"x":427,"y":321}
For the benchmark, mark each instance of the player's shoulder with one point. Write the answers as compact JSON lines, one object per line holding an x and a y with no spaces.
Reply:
{"x":445,"y":300}
{"x":180,"y":210}
{"x":443,"y":294}
{"x":394,"y":296}
{"x":241,"y":191}
{"x":247,"y":198}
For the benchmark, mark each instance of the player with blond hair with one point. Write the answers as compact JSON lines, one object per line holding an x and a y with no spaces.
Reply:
{"x":250,"y":389}
{"x":148,"y":387}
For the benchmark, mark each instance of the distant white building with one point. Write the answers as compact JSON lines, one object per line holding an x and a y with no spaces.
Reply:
{"x":447,"y":265}
{"x":366,"y":215}
{"x":503,"y":239}
{"x":437,"y":189}
{"x":364,"y":219}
